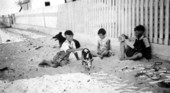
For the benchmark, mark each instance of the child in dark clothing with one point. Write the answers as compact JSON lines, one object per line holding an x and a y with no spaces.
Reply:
{"x":135,"y":48}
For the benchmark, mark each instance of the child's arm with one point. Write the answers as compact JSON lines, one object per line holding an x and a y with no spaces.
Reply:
{"x":146,"y":42}
{"x":98,"y":46}
{"x":73,"y":50}
{"x":148,"y":48}
{"x":108,"y":46}
{"x":82,"y":58}
{"x":132,"y":39}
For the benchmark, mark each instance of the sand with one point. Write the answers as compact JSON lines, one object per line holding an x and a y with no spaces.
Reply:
{"x":25,"y":51}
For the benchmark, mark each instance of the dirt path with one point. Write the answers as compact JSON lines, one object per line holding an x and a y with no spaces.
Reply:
{"x":27,"y":49}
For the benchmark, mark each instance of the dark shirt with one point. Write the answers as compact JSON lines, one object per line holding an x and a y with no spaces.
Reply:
{"x":142,"y":45}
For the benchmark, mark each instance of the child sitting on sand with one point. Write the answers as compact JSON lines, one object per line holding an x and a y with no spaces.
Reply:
{"x":103,"y":46}
{"x":135,"y":48}
{"x":62,"y":57}
{"x":69,"y":45}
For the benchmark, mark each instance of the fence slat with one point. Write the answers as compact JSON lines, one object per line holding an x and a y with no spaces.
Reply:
{"x":156,"y":21}
{"x":120,"y":16}
{"x":151,"y":20}
{"x":129,"y":18}
{"x":166,"y":42}
{"x":109,"y":17}
{"x":125,"y":17}
{"x":115,"y":20}
{"x":133,"y":16}
{"x":137,"y":18}
{"x":161,"y":30}
{"x":141,"y":12}
{"x":146,"y":18}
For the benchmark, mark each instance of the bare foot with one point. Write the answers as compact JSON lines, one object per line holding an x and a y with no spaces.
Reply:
{"x":101,"y":57}
{"x":122,"y":58}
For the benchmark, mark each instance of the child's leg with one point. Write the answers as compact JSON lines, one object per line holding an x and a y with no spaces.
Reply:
{"x":135,"y":56}
{"x":76,"y":55}
{"x":94,"y":53}
{"x":104,"y":54}
{"x":123,"y":48}
{"x":63,"y":56}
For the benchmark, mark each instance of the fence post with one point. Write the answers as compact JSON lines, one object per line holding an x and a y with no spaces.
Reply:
{"x":109,"y":8}
{"x":119,"y":16}
{"x":137,"y":12}
{"x":129,"y":17}
{"x":156,"y":21}
{"x":133,"y":17}
{"x":151,"y":20}
{"x":125,"y":17}
{"x":146,"y":18}
{"x":161,"y":30}
{"x":141,"y":12}
{"x":115,"y":21}
{"x":122,"y":16}
{"x":166,"y":42}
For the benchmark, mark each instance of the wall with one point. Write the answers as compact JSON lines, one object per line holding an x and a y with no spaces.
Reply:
{"x":39,"y":15}
{"x":46,"y":17}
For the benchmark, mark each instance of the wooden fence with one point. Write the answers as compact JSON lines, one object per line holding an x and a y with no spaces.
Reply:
{"x":117,"y":17}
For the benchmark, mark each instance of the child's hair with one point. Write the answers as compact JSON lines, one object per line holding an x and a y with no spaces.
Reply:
{"x":139,"y":28}
{"x":68,"y":32}
{"x":102,"y":31}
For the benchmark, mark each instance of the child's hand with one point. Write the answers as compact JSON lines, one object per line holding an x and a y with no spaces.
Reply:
{"x":71,"y":50}
{"x":81,"y":48}
{"x":130,"y":43}
{"x":132,"y":39}
{"x":121,"y":38}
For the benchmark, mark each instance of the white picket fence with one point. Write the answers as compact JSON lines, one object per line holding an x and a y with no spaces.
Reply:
{"x":117,"y":17}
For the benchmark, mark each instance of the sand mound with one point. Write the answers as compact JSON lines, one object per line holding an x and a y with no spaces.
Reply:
{"x":67,"y":83}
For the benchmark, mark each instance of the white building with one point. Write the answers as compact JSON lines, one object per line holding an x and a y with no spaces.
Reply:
{"x":10,"y":6}
{"x":34,"y":4}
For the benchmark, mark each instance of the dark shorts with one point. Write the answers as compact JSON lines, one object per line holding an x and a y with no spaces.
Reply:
{"x":130,"y":52}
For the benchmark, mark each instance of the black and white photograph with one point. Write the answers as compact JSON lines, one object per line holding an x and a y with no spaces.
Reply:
{"x":84,"y":46}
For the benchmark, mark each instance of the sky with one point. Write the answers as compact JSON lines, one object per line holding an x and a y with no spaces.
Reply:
{"x":8,"y":7}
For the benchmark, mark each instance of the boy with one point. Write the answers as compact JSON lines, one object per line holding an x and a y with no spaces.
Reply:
{"x":103,"y":47}
{"x":62,"y":57}
{"x":135,"y":48}
{"x":69,"y":45}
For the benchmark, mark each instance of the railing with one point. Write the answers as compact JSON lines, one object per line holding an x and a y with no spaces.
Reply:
{"x":117,"y":17}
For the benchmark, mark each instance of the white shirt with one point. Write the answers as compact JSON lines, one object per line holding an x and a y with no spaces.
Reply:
{"x":103,"y":43}
{"x":67,"y":45}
